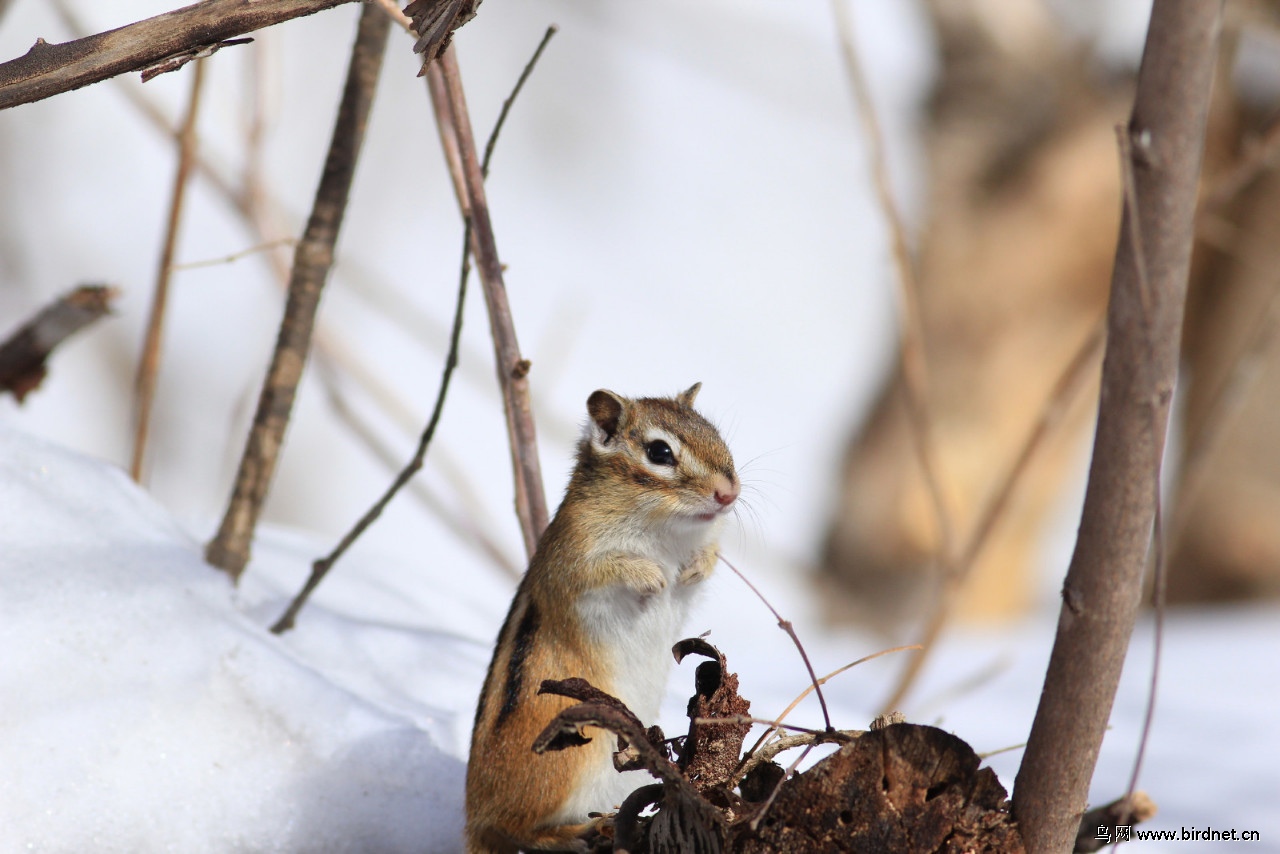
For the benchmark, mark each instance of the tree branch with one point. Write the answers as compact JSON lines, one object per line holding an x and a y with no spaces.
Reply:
{"x":24,"y":353}
{"x":313,"y":258}
{"x":51,"y":69}
{"x":445,"y":86}
{"x":1148,"y":288}
{"x":149,"y":363}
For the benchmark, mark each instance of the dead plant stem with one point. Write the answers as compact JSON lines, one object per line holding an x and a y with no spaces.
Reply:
{"x":445,"y":85}
{"x":313,"y":258}
{"x":149,"y":363}
{"x":320,"y":568}
{"x":786,"y":626}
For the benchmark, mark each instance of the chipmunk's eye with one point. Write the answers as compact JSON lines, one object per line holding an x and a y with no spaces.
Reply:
{"x":659,"y":453}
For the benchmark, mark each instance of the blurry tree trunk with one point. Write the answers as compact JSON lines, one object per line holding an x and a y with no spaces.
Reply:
{"x":1014,"y":258}
{"x":1224,"y":536}
{"x":1013,"y":265}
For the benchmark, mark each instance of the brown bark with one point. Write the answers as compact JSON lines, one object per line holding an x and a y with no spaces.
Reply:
{"x":24,"y":353}
{"x":229,"y":550}
{"x":149,"y":363}
{"x":50,"y":69}
{"x":1103,"y":586}
{"x":454,"y":123}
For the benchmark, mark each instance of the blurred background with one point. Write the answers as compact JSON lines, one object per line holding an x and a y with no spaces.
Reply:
{"x":684,"y":192}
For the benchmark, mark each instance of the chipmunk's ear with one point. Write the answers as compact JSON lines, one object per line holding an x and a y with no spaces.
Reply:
{"x":605,"y":409}
{"x":686,"y":397}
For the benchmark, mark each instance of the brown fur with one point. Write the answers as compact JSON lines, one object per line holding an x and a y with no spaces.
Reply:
{"x":512,"y":793}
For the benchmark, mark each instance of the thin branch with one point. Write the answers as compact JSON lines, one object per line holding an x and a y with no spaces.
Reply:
{"x":1070,"y":384}
{"x":750,"y":760}
{"x":50,"y":69}
{"x":911,"y":346}
{"x":1102,"y":589}
{"x":261,"y":212}
{"x":229,"y":549}
{"x":235,"y":256}
{"x":149,"y":363}
{"x":786,"y":626}
{"x":456,"y":517}
{"x":24,"y":353}
{"x":454,"y":122}
{"x":781,"y":745}
{"x":321,"y":567}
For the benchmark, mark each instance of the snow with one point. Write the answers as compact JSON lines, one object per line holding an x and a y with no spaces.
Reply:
{"x":144,"y":710}
{"x":147,"y":708}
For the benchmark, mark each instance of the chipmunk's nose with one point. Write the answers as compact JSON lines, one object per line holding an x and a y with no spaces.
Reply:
{"x":726,"y":492}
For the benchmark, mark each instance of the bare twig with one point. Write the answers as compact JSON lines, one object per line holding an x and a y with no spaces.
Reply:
{"x":322,"y":566}
{"x":748,"y":758}
{"x":261,"y":212}
{"x":149,"y":363}
{"x":24,"y":353}
{"x":911,"y":346}
{"x":454,"y":122}
{"x":235,"y":256}
{"x":50,"y":69}
{"x":786,"y":626}
{"x":781,"y":745}
{"x":457,"y":518}
{"x":1103,"y":584}
{"x":1070,"y":384}
{"x":313,"y":258}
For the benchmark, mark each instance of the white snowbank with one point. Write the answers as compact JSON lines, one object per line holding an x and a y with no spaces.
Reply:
{"x":142,"y":711}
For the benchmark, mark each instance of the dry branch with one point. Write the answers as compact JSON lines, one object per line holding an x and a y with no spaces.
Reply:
{"x":24,"y":353}
{"x":1103,"y":585}
{"x":1070,"y":384}
{"x":454,"y":123}
{"x":313,"y":258}
{"x":149,"y":363}
{"x":51,"y":69}
{"x":915,"y":370}
{"x":320,"y":568}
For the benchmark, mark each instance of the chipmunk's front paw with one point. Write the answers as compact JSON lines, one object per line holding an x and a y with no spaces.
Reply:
{"x":649,"y":582}
{"x":699,"y":569}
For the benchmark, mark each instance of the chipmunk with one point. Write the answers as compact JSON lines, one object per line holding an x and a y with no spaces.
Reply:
{"x":604,"y":599}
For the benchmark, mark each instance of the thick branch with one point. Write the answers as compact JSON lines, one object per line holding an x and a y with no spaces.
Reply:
{"x":229,"y":550}
{"x":1148,"y":287}
{"x":513,"y":370}
{"x":50,"y":69}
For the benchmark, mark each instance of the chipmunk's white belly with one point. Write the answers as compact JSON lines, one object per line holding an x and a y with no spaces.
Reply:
{"x":636,"y":633}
